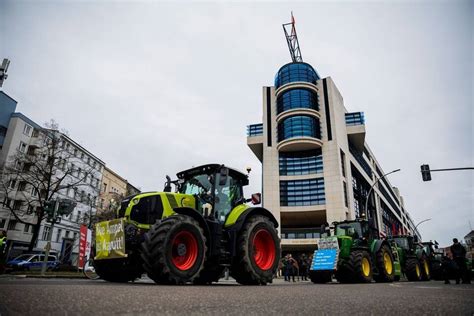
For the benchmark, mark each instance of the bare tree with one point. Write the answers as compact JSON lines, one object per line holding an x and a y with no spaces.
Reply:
{"x":32,"y":177}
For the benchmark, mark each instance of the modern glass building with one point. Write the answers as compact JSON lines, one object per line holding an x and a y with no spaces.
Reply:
{"x":316,"y":166}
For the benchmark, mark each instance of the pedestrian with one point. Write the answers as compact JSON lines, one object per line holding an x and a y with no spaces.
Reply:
{"x":459,"y":256}
{"x":293,"y":267}
{"x":304,"y":267}
{"x":448,"y":268}
{"x":287,"y":267}
{"x":3,"y":250}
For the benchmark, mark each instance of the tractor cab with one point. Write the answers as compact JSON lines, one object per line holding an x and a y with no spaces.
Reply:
{"x":406,"y":243}
{"x":356,"y":229}
{"x":217,"y":189}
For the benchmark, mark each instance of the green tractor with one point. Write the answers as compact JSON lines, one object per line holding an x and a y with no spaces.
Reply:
{"x":359,"y":256}
{"x":191,"y":235}
{"x":413,"y":259}
{"x":434,"y":256}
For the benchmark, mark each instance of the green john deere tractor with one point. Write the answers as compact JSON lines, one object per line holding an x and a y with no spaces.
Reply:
{"x":413,"y":259}
{"x":360,"y":256}
{"x":434,"y":256}
{"x":191,"y":235}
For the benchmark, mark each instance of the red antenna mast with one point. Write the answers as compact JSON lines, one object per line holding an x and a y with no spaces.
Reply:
{"x":292,"y":40}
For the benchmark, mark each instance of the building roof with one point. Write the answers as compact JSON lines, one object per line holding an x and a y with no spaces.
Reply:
{"x":471,"y":234}
{"x":26,"y":119}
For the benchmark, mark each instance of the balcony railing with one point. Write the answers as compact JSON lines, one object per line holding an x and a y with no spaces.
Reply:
{"x":255,"y":130}
{"x":355,"y":118}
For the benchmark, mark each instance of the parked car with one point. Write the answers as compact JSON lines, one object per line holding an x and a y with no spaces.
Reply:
{"x":32,"y":262}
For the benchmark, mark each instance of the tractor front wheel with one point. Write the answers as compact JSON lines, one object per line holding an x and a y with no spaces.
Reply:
{"x":174,"y":250}
{"x":258,"y":252}
{"x":356,"y":269}
{"x":413,"y":270}
{"x":425,"y":269}
{"x":385,"y":266}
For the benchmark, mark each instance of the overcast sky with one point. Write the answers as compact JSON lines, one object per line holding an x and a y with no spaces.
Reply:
{"x":152,"y":88}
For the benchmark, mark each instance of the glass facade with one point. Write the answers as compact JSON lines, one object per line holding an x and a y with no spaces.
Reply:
{"x":255,"y":130}
{"x":304,"y":162}
{"x":294,"y":72}
{"x":355,"y":118}
{"x":299,"y":126}
{"x":302,"y":192}
{"x":296,"y":99}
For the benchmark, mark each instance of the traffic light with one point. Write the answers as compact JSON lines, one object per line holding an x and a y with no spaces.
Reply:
{"x":425,"y":172}
{"x":48,"y":207}
{"x":66,"y":207}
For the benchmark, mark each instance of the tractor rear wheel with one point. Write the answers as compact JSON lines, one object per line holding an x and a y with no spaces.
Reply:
{"x":357,"y":269}
{"x":425,"y":269}
{"x":258,"y":252}
{"x":174,"y":250}
{"x":385,"y":266}
{"x":413,"y":270}
{"x":119,"y":270}
{"x":320,"y":276}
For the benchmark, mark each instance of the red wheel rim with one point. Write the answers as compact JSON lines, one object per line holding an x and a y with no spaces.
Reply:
{"x":185,"y":250}
{"x":263,"y":249}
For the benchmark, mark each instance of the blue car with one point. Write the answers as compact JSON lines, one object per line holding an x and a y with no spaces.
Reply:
{"x":32,"y":262}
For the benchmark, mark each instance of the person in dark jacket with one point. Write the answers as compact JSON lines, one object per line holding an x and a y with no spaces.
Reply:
{"x":459,"y":256}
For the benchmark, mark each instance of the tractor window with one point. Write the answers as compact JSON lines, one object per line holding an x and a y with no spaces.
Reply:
{"x":148,"y":210}
{"x":349,"y":229}
{"x":227,"y":196}
{"x":197,"y":185}
{"x":402,"y":243}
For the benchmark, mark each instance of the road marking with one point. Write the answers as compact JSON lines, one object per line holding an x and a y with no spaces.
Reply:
{"x":429,"y":287}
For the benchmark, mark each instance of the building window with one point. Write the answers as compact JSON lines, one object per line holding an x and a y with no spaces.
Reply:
{"x":22,"y":186}
{"x":46,"y":232}
{"x":58,"y":234}
{"x":299,"y":126}
{"x":355,"y":118}
{"x":343,"y":163}
{"x":78,"y":216}
{"x":2,"y":222}
{"x":17,"y":205}
{"x":27,"y":130}
{"x":294,"y":72}
{"x":304,"y":162}
{"x":22,"y":147}
{"x":346,"y":202}
{"x":12,"y":224}
{"x":302,"y":192}
{"x":74,"y":235}
{"x":12,"y":184}
{"x":67,"y":233}
{"x":297,"y":99}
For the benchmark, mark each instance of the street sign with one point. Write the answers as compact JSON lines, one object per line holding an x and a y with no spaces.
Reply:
{"x":325,"y":259}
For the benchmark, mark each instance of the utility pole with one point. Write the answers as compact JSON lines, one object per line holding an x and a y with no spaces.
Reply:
{"x":372,"y":187}
{"x":48,"y":244}
{"x":426,"y":171}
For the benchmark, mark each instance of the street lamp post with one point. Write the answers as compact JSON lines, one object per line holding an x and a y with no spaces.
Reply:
{"x":425,"y":220}
{"x":372,"y":187}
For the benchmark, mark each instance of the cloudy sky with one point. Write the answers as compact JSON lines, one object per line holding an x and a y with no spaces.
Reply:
{"x":152,"y":88}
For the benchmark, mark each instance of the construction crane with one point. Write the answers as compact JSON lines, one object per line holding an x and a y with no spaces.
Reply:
{"x":292,"y":40}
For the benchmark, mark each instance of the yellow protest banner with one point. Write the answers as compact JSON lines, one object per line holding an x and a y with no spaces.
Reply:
{"x":110,"y":239}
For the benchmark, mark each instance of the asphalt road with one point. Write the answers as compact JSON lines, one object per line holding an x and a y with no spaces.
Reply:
{"x":71,"y":297}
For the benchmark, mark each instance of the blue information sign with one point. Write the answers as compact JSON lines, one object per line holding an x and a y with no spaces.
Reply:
{"x":324,"y":259}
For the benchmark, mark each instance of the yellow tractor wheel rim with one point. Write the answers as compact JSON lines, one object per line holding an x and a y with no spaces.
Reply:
{"x":427,"y":268}
{"x":365,"y":267}
{"x":387,"y":263}
{"x":417,"y":268}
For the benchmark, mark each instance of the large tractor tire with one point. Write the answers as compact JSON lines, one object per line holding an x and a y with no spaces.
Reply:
{"x":258,"y":252}
{"x":119,"y":270}
{"x":320,"y":277}
{"x":357,"y":269}
{"x":413,"y":270}
{"x":174,"y":250}
{"x":385,"y":265}
{"x":425,"y":269}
